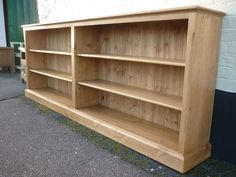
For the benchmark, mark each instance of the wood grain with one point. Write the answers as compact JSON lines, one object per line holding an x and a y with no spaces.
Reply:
{"x":168,"y":101}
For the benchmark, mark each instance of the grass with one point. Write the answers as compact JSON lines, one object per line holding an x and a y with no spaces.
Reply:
{"x":209,"y":168}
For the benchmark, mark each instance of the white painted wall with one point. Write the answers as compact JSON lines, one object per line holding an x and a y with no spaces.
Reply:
{"x":60,"y":10}
{"x":2,"y":26}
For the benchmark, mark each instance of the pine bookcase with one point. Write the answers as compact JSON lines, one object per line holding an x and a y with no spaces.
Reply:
{"x":146,"y":80}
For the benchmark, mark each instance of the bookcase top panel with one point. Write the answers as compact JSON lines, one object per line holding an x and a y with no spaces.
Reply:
{"x":161,"y":14}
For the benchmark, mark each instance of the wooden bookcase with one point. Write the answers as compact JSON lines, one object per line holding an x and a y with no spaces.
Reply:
{"x":146,"y":80}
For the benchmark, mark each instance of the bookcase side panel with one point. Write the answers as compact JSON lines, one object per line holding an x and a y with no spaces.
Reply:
{"x":201,"y":80}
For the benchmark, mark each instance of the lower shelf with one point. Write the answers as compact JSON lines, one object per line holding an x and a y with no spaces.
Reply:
{"x":134,"y":126}
{"x":156,"y":142}
{"x":54,"y":74}
{"x":52,"y":95}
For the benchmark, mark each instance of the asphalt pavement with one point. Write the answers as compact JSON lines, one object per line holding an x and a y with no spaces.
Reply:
{"x":33,"y":145}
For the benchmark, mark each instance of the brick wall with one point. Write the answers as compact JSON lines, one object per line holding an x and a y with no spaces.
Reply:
{"x":60,"y":10}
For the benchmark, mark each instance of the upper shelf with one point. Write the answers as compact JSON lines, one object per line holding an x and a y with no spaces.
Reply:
{"x":161,"y":61}
{"x":170,"y":101}
{"x":52,"y":73}
{"x":50,"y":52}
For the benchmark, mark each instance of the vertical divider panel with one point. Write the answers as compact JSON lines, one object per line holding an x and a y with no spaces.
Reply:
{"x":183,"y":120}
{"x":74,"y":67}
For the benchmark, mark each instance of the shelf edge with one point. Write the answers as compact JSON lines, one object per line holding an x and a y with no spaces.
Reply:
{"x":134,"y":59}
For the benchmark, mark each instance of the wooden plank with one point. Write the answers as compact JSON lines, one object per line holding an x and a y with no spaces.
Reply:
{"x":170,"y":62}
{"x":52,"y":73}
{"x":169,"y":101}
{"x":52,"y":95}
{"x":74,"y":67}
{"x":50,"y":52}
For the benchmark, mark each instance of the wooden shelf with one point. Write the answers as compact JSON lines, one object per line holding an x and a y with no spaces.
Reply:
{"x":52,"y":95}
{"x":169,"y":101}
{"x":152,"y":60}
{"x":134,"y":126}
{"x":50,"y":52}
{"x":55,"y":74}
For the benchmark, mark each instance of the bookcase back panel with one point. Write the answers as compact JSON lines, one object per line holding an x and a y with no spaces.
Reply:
{"x":36,"y":39}
{"x":37,"y":81}
{"x":166,"y":117}
{"x":59,"y":63}
{"x":87,"y":39}
{"x":165,"y":39}
{"x":51,"y":39}
{"x":48,"y":61}
{"x":87,"y":97}
{"x":36,"y":60}
{"x":88,"y":69}
{"x":159,"y":78}
{"x":59,"y":85}
{"x":58,"y":39}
